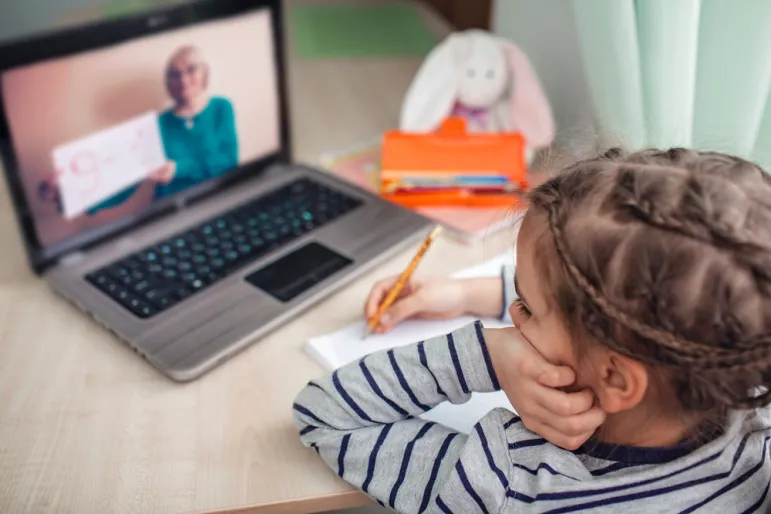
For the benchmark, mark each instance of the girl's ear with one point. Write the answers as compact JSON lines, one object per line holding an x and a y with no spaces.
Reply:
{"x":432,"y":94}
{"x":621,"y":382}
{"x":528,"y":107}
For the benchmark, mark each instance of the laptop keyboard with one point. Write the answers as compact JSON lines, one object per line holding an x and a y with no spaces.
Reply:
{"x":160,"y":276}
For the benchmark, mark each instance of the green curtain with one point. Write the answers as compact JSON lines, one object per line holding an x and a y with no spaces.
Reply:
{"x":680,"y":72}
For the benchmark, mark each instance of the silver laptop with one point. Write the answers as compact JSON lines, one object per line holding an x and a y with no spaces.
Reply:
{"x":148,"y":161}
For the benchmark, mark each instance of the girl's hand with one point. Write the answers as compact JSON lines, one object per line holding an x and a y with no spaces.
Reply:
{"x":421,"y":297}
{"x":164,"y":174}
{"x":532,"y":386}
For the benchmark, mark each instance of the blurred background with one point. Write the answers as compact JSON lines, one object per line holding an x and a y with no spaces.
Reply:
{"x":641,"y":73}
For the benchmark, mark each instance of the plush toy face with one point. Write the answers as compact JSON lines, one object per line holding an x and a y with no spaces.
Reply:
{"x":480,"y":71}
{"x":483,"y":74}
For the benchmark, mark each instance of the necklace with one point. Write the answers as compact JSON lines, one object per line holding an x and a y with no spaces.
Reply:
{"x":189,"y":119}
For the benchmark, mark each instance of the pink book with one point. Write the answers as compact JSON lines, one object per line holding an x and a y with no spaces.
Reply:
{"x":360,"y":166}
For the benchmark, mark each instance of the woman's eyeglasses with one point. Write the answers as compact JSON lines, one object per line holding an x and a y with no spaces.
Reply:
{"x":177,"y":73}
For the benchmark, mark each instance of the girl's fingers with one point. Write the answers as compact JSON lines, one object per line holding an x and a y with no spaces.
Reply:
{"x":376,"y":295}
{"x":556,"y":376}
{"x":536,"y":367}
{"x":379,"y":292}
{"x":556,"y":437}
{"x":560,"y":403}
{"x":402,"y":309}
{"x":569,"y":426}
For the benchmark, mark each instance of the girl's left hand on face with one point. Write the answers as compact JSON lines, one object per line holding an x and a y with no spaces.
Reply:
{"x":532,"y":386}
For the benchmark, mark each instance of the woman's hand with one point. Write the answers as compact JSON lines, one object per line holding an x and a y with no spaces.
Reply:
{"x":48,"y":189}
{"x":164,"y":174}
{"x":532,"y":386}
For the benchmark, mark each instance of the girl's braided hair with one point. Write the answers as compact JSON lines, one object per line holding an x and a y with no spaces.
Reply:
{"x":665,"y":256}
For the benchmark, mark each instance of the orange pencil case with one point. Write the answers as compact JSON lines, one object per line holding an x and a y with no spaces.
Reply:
{"x":450,"y":158}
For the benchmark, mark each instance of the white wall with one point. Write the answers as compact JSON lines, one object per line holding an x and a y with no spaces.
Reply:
{"x":544,"y":30}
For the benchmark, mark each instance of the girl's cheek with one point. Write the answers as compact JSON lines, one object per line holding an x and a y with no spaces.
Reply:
{"x":547,"y":343}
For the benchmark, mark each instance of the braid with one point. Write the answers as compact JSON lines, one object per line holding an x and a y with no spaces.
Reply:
{"x":700,"y":211}
{"x":696,"y":354}
{"x":708,"y":207}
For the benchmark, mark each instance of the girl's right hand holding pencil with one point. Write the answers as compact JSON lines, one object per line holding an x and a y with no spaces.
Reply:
{"x":435,"y":298}
{"x":534,"y":386}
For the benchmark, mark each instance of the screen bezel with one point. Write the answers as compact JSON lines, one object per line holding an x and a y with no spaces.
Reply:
{"x":101,"y":33}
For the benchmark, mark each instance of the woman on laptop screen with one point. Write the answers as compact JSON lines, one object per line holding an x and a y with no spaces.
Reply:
{"x":198,"y":131}
{"x":99,"y":135}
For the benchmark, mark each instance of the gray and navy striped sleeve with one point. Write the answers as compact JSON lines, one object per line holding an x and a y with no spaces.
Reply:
{"x":362,"y":420}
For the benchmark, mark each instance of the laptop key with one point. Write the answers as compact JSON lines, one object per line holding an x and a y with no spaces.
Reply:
{"x":153,"y":295}
{"x":100,"y":280}
{"x":148,"y":256}
{"x":182,"y":292}
{"x":156,"y":269}
{"x":145,"y":310}
{"x":166,"y":302}
{"x":209,"y":278}
{"x":124,"y":296}
{"x":144,"y":285}
{"x":141,"y":308}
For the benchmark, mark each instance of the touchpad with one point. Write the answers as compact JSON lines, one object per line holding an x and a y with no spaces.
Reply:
{"x":298,"y":271}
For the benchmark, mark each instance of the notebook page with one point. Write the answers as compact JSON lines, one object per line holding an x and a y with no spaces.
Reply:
{"x":346,"y":345}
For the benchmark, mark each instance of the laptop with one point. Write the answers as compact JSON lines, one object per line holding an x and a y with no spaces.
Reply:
{"x":148,"y":160}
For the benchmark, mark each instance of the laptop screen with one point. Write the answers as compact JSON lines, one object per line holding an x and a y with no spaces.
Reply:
{"x":106,"y":134}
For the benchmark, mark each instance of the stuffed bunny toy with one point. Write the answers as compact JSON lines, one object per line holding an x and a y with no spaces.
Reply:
{"x":484,"y":79}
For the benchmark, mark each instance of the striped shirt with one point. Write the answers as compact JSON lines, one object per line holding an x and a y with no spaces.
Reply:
{"x":363,"y":422}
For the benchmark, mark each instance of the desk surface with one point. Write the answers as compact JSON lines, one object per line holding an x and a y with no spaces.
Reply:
{"x":86,"y":426}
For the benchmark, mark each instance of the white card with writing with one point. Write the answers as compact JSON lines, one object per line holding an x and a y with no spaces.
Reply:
{"x":94,"y":168}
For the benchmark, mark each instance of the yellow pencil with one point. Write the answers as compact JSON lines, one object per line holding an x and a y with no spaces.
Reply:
{"x":393,"y":293}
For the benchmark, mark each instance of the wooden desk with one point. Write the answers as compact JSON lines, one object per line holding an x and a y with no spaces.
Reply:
{"x":86,"y":426}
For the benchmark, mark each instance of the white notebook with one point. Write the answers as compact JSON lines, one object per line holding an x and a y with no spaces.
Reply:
{"x":338,"y":348}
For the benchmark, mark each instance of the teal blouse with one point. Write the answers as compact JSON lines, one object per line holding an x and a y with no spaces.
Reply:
{"x":204,"y":150}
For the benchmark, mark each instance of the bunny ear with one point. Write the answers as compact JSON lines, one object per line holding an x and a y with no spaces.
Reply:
{"x":431,"y":96}
{"x":528,"y":106}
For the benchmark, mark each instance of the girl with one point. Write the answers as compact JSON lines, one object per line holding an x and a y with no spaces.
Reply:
{"x":649,"y":276}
